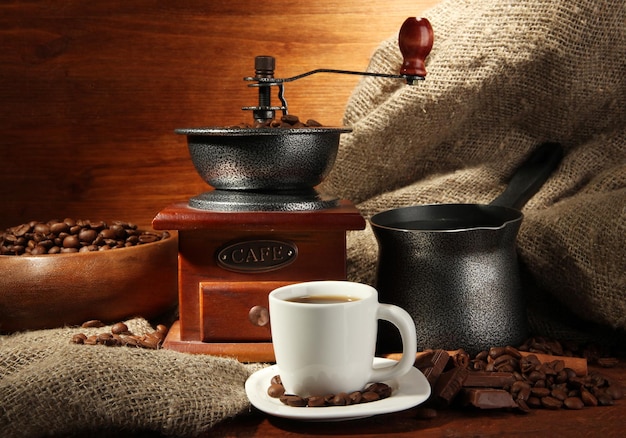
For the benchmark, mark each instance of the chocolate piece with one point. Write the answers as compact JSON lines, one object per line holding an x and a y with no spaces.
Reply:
{"x":436,"y":365}
{"x":486,"y":379}
{"x":487,"y":398}
{"x":423,"y":360}
{"x":448,"y":386}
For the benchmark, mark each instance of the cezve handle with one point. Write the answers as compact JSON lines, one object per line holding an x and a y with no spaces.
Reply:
{"x":530,"y":176}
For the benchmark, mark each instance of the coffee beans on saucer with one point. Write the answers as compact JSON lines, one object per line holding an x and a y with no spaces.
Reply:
{"x":373,"y":392}
{"x":70,"y":236}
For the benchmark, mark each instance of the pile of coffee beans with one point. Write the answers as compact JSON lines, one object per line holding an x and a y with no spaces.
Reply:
{"x":373,"y":392}
{"x":120,"y":336}
{"x":69,"y":236}
{"x":286,"y":121}
{"x":514,"y":378}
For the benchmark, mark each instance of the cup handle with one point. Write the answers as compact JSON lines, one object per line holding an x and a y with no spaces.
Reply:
{"x":404,"y":322}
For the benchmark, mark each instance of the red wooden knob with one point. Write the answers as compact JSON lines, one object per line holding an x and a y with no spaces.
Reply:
{"x":415,"y":41}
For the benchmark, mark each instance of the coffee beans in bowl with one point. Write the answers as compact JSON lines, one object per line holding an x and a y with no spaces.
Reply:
{"x":69,"y":235}
{"x":64,"y":272}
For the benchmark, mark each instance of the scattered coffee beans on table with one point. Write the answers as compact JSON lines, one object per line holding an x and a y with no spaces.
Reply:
{"x":69,"y":236}
{"x":515,"y":378}
{"x":120,"y":336}
{"x":373,"y":392}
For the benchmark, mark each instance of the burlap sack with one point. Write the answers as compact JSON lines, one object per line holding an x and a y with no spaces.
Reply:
{"x":502,"y":78}
{"x":50,"y":387}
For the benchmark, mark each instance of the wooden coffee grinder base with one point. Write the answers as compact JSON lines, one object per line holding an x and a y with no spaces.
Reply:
{"x":229,"y":261}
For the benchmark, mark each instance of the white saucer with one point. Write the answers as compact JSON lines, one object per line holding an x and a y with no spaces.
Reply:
{"x":408,"y":391}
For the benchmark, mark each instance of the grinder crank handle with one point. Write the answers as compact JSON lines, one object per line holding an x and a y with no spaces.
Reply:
{"x":415,"y":41}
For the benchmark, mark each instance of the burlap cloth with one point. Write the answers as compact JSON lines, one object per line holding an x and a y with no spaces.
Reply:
{"x":50,"y":387}
{"x":503,"y":77}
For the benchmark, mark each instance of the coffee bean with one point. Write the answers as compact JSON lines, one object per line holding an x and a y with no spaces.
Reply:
{"x":512,"y":351}
{"x":293,"y":400}
{"x":522,"y":406}
{"x":551,"y":403}
{"x":524,"y":394}
{"x":381,"y":389}
{"x":317,"y":401}
{"x":21,"y":230}
{"x":540,"y":392}
{"x":150,"y":342}
{"x":131,"y":341}
{"x":107,"y":234}
{"x":340,"y":399}
{"x":604,"y":399}
{"x":370,"y":397}
{"x":92,"y":323}
{"x":41,"y":228}
{"x":39,"y":249}
{"x":148,"y":238}
{"x":482,"y":356}
{"x":162,"y":328}
{"x":59,"y":227}
{"x":87,"y":235}
{"x":535,"y":376}
{"x":355,"y":397}
{"x":573,"y":403}
{"x":495,"y":352}
{"x":79,"y":338}
{"x":559,"y":394}
{"x":461,"y":359}
{"x":119,"y":328}
{"x":71,"y":241}
{"x":275,"y":390}
{"x":588,"y":398}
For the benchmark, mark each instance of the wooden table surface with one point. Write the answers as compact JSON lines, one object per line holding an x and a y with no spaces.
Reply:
{"x":606,"y":421}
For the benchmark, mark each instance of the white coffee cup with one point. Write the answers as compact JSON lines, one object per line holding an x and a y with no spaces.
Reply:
{"x":329,"y":348}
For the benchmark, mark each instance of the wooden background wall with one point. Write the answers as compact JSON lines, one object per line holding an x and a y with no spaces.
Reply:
{"x":91,"y":91}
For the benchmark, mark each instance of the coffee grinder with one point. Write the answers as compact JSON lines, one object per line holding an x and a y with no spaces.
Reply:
{"x":264,"y":223}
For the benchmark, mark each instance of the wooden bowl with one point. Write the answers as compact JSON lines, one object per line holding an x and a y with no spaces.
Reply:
{"x":54,"y":290}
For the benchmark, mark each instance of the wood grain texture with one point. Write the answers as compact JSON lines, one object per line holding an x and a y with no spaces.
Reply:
{"x":91,"y":92}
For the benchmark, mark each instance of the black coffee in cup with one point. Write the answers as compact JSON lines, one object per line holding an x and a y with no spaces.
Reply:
{"x":322,"y":299}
